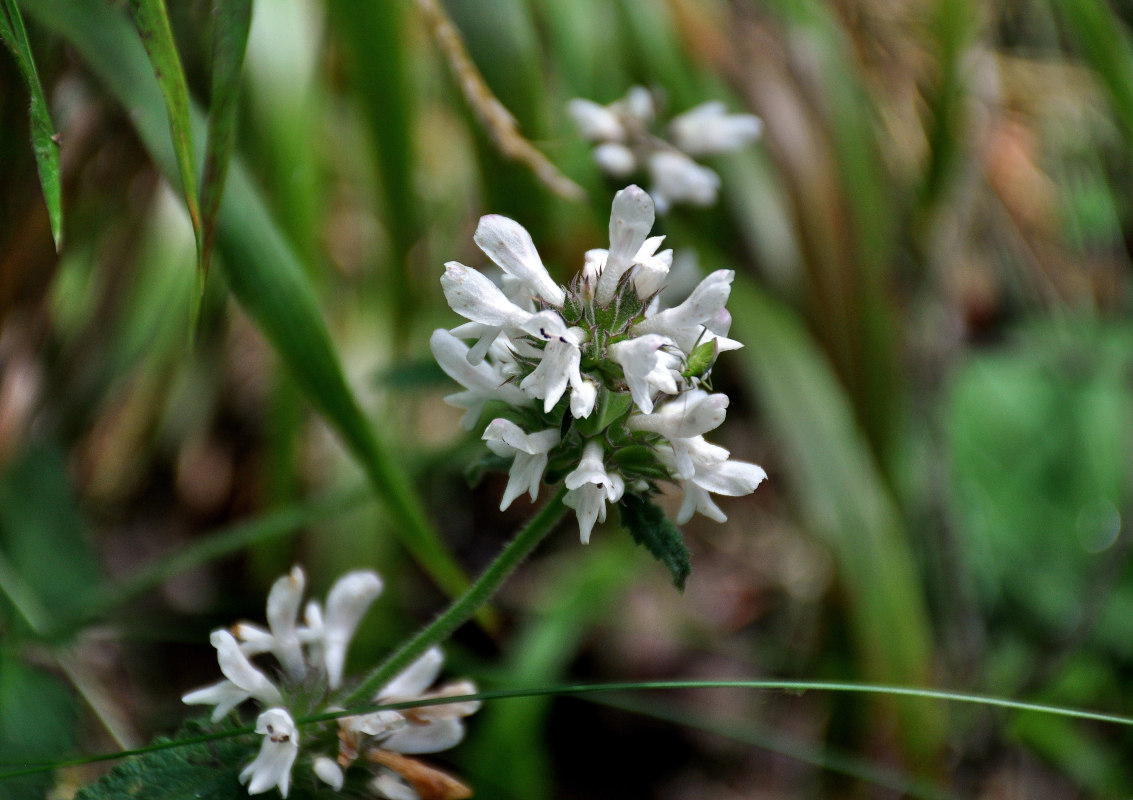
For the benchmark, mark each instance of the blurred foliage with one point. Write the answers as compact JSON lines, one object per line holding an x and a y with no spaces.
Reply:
{"x":933,"y":286}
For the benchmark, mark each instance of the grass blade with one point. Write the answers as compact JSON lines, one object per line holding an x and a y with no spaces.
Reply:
{"x":157,"y":38}
{"x":231,"y":22}
{"x":1105,"y":44}
{"x":43,"y":137}
{"x":843,"y":501}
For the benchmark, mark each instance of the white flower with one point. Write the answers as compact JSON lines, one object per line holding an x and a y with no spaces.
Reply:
{"x":690,"y":414}
{"x":631,"y":219}
{"x":623,"y":144}
{"x":589,"y":487}
{"x":645,"y":371}
{"x":272,"y":767}
{"x":595,"y":122}
{"x":614,"y":159}
{"x":225,"y":695}
{"x":729,"y":478}
{"x":560,"y":359}
{"x":634,"y":371}
{"x":483,"y":382}
{"x":423,"y":729}
{"x":676,"y":178}
{"x":687,"y":324}
{"x":240,"y":671}
{"x":707,"y":468}
{"x":505,"y":438}
{"x":708,"y":129}
{"x":347,"y":601}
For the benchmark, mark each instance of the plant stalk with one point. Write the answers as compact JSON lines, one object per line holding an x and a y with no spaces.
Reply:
{"x":466,"y":605}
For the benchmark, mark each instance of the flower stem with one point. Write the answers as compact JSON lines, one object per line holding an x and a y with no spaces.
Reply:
{"x":464,"y":606}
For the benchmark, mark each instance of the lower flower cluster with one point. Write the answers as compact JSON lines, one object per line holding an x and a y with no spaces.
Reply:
{"x":310,"y":654}
{"x":595,"y":384}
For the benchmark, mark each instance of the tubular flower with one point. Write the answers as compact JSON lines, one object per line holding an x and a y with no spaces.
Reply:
{"x":624,"y":144}
{"x":311,"y":655}
{"x":594,"y":383}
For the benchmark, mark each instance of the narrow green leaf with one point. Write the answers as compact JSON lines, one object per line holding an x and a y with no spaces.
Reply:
{"x":43,"y":137}
{"x":263,"y":272}
{"x":157,"y":38}
{"x":842,"y":499}
{"x":232,"y":20}
{"x":1106,"y":45}
{"x":650,"y":528}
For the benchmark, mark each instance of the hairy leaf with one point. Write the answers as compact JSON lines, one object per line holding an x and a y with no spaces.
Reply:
{"x":649,"y":527}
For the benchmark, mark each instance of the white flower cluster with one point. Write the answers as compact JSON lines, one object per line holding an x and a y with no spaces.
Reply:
{"x":624,"y":144}
{"x":311,"y":655}
{"x":595,"y":384}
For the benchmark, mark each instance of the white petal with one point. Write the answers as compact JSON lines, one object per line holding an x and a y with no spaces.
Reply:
{"x":676,"y":178}
{"x":449,"y":710}
{"x":731,"y":478}
{"x":347,"y":601}
{"x":393,"y":787}
{"x":638,"y":360}
{"x":225,"y":695}
{"x":631,"y":218}
{"x":559,"y":366}
{"x":415,"y":678}
{"x":509,"y":245}
{"x":686,"y":323}
{"x":638,"y":103}
{"x":708,"y":129}
{"x":616,"y":160}
{"x":328,"y":771}
{"x":284,"y":601}
{"x":506,"y":431}
{"x":595,"y":122}
{"x":483,"y":381}
{"x":690,"y":414}
{"x":583,"y":396}
{"x":475,"y":297}
{"x":430,"y":738}
{"x":377,"y":723}
{"x":238,"y":669}
{"x":697,"y":499}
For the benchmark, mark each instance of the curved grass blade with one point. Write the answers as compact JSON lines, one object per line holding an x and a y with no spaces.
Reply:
{"x":264,"y":275}
{"x":44,"y":140}
{"x":157,"y":38}
{"x":232,"y":19}
{"x":758,"y":736}
{"x":578,"y":689}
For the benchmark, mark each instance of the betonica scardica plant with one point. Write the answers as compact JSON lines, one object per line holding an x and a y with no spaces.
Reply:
{"x":596,"y":384}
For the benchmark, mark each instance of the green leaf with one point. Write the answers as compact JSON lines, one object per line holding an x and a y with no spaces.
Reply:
{"x":39,"y":520}
{"x":202,"y":769}
{"x":37,"y":718}
{"x":649,"y":527}
{"x":232,"y":19}
{"x":43,"y":137}
{"x":157,"y":38}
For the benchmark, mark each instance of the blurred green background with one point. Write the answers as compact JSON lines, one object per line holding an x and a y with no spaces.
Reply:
{"x":933,"y":285}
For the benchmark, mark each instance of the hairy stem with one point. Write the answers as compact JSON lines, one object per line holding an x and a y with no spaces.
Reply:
{"x":466,"y":605}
